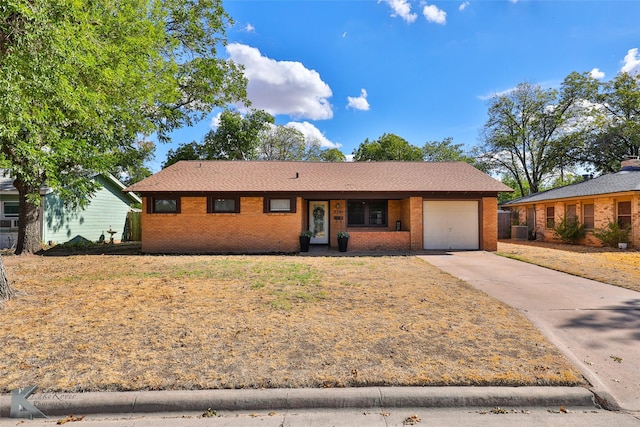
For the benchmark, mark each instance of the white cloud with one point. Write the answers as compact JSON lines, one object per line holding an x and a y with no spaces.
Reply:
{"x":401,"y":8}
{"x":463,"y":6}
{"x":359,"y":102}
{"x":596,"y":73}
{"x":215,"y":121}
{"x":433,"y":14}
{"x":250,"y":28}
{"x":631,"y":62}
{"x":312,"y":133}
{"x":282,"y":87}
{"x":497,"y":94}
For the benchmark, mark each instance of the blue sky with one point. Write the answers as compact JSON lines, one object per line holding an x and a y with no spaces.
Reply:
{"x":344,"y":71}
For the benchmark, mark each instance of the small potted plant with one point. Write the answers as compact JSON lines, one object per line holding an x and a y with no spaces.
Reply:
{"x":343,"y":241}
{"x":305,"y":240}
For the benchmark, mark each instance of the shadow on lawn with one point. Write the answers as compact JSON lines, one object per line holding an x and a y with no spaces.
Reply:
{"x":623,"y":318}
{"x":125,"y":248}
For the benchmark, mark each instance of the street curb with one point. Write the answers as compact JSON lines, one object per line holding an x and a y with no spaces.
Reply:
{"x":283,"y":399}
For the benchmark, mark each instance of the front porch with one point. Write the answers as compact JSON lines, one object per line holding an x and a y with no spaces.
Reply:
{"x":399,"y":226}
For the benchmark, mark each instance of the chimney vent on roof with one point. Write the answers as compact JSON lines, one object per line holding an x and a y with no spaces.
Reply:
{"x":297,"y":175}
{"x":631,"y":165}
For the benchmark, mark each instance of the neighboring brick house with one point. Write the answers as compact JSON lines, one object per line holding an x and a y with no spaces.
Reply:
{"x":262,"y":207}
{"x":595,"y":202}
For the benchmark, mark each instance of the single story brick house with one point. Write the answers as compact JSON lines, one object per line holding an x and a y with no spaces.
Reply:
{"x":108,"y":208}
{"x":263,"y":206}
{"x":595,"y":202}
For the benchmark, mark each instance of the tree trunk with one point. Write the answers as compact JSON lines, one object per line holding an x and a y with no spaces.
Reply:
{"x":6,"y":291}
{"x":28,"y":220}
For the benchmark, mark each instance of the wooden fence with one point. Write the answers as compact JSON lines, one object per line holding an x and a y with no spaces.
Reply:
{"x":133,"y":228}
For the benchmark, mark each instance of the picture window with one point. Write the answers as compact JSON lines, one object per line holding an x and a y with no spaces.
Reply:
{"x":367,"y":213}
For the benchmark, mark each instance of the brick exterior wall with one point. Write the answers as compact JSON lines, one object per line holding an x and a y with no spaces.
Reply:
{"x":604,"y":211}
{"x":373,"y":240}
{"x":489,"y":224}
{"x":194,"y":230}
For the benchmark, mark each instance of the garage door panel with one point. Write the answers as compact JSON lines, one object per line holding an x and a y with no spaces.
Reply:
{"x":451,"y":224}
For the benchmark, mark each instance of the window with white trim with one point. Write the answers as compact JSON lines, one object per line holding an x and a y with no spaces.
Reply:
{"x":588,"y":216}
{"x":624,"y":214}
{"x":10,"y":209}
{"x":551,"y":216}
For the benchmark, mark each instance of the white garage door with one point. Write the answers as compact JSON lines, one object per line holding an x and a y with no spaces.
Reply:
{"x":451,"y":224}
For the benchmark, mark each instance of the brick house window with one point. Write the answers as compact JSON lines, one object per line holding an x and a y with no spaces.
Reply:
{"x":367,"y":213}
{"x":223,"y":204}
{"x":624,"y":214}
{"x":551,"y":216}
{"x":280,"y":204}
{"x":588,"y":216}
{"x":163,"y":205}
{"x":572,"y":212}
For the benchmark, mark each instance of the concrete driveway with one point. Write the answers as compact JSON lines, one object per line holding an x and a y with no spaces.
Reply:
{"x":597,"y":326}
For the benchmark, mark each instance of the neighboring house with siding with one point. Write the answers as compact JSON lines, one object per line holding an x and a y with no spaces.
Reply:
{"x":595,"y":202}
{"x":262,"y":207}
{"x":108,"y":207}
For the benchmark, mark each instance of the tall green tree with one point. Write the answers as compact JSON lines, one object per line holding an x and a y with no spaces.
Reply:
{"x":614,"y":133}
{"x":447,"y":151}
{"x":130,"y":162}
{"x":237,"y":137}
{"x":444,"y":151}
{"x":527,"y":133}
{"x":186,"y":151}
{"x":282,"y":143}
{"x":387,"y":147}
{"x":79,"y":81}
{"x":332,"y":155}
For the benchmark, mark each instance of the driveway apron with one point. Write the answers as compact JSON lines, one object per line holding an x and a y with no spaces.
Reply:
{"x":596,"y":326}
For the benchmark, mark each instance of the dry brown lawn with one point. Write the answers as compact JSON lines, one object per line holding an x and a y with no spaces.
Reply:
{"x":613,"y":266}
{"x":106,"y":323}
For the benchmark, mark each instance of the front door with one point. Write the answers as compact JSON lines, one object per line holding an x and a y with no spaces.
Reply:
{"x":319,"y":222}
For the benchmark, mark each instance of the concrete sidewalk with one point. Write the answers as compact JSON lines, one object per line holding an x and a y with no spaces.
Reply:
{"x":597,"y":326}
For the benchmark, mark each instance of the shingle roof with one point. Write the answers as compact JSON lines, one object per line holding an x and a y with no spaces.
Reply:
{"x":278,"y":176}
{"x":623,"y":181}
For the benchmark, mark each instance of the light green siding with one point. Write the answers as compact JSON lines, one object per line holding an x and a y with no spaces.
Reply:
{"x":106,"y":209}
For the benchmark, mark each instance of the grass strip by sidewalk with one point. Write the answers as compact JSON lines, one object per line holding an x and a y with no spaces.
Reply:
{"x":110,"y":323}
{"x":607,"y":265}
